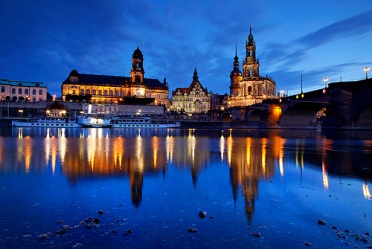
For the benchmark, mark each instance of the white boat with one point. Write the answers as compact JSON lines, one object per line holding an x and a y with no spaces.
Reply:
{"x":94,"y":120}
{"x":46,"y":122}
{"x":140,"y":121}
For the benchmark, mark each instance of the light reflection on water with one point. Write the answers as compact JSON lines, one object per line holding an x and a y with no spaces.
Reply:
{"x":275,"y":182}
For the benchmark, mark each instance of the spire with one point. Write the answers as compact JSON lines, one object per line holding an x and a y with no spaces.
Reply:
{"x":301,"y":85}
{"x":236,"y":58}
{"x":195,"y":77}
{"x":250,"y":36}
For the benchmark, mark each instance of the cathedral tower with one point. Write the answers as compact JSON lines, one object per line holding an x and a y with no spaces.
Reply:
{"x":250,"y":64}
{"x":137,"y":72}
{"x":235,"y":76}
{"x":249,"y":88}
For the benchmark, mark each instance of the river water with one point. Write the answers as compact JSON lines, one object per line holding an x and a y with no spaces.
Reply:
{"x":184,"y":188}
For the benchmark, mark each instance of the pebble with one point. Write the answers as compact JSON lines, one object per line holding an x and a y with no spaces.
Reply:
{"x":27,"y":236}
{"x":192,"y":229}
{"x":128,"y":232}
{"x":42,"y":236}
{"x":78,"y":245}
{"x":306,"y":243}
{"x":202,"y":214}
{"x":100,"y":212}
{"x":258,"y":235}
{"x":322,"y":222}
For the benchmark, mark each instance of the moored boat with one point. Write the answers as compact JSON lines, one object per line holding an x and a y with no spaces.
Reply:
{"x":46,"y":122}
{"x":140,"y":121}
{"x":94,"y":120}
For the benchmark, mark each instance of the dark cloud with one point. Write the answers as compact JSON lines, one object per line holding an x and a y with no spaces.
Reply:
{"x":45,"y":41}
{"x":354,"y":26}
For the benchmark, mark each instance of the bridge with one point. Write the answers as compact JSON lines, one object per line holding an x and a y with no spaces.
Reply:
{"x":341,"y":105}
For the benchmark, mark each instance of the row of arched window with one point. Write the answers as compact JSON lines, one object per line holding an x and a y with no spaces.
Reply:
{"x":115,"y":93}
{"x":22,"y":91}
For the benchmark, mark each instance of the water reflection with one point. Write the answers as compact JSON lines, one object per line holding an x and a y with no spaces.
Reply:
{"x":252,"y":156}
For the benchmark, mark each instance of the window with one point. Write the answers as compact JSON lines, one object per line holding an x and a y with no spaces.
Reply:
{"x":41,"y":92}
{"x":105,"y":92}
{"x":82,"y":91}
{"x":87,"y":92}
{"x":34,"y":92}
{"x":3,"y":89}
{"x":94,"y":92}
{"x":116,"y":93}
{"x":111,"y":93}
{"x":99,"y":92}
{"x":250,"y":90}
{"x":26,"y":91}
{"x":19,"y":90}
{"x":13,"y":91}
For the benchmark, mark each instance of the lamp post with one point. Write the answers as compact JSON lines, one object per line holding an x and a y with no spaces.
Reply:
{"x":366,"y":69}
{"x":325,"y":82}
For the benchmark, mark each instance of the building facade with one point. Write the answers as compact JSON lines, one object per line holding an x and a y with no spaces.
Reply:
{"x":248,"y":87}
{"x":11,"y":90}
{"x":105,"y":89}
{"x":194,"y":99}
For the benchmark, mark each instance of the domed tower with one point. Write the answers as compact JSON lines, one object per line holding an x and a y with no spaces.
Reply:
{"x":137,"y":72}
{"x":250,"y":64}
{"x":235,"y":76}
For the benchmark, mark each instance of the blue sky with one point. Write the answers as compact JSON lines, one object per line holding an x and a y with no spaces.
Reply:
{"x":44,"y":40}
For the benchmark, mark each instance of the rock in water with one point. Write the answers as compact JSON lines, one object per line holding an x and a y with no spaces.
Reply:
{"x":322,"y":222}
{"x":258,"y":235}
{"x":202,"y":214}
{"x":43,"y":236}
{"x":192,"y":229}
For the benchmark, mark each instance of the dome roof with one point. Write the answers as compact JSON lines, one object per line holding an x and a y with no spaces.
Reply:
{"x":74,"y":73}
{"x":236,"y":72}
{"x":137,"y":53}
{"x":250,"y":36}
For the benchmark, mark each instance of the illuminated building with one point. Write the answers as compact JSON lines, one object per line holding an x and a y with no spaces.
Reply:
{"x":106,"y":89}
{"x":22,"y":91}
{"x":194,"y":99}
{"x":248,"y":87}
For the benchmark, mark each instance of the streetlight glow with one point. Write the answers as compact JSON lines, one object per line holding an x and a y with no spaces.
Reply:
{"x":325,"y":82}
{"x":366,"y":69}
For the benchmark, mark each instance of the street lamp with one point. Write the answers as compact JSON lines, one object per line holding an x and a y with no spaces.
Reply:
{"x":325,"y":82}
{"x":366,"y":69}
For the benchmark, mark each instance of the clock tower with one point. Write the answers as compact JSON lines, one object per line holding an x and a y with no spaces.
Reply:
{"x":137,"y":72}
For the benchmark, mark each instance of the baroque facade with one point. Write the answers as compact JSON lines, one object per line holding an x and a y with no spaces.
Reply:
{"x":248,"y":87}
{"x":194,"y":99}
{"x":105,"y":89}
{"x":22,"y":91}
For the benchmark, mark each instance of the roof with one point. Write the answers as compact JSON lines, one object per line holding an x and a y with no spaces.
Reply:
{"x":182,"y":90}
{"x":95,"y":79}
{"x":22,"y":83}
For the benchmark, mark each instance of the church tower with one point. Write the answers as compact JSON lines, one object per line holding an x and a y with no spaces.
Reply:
{"x":235,"y":76}
{"x":250,"y":64}
{"x":249,"y":88}
{"x":137,"y":73}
